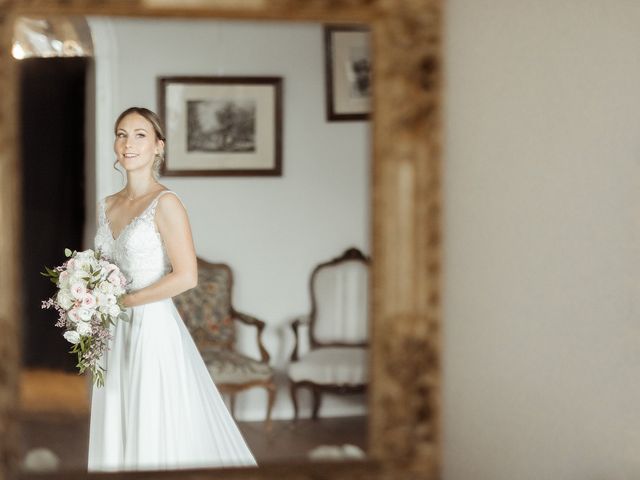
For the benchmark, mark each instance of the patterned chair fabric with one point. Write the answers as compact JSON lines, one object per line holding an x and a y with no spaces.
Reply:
{"x":210,"y":317}
{"x":206,"y":309}
{"x":227,"y":366}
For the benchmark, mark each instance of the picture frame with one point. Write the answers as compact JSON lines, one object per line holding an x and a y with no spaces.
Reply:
{"x":221,"y":125}
{"x":347,"y":72}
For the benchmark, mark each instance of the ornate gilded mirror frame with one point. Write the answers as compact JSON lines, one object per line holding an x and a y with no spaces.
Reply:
{"x":404,"y":399}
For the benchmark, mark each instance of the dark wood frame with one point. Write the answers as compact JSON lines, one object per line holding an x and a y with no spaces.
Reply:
{"x":274,"y":82}
{"x":332,"y":115}
{"x":404,"y":392}
{"x":317,"y":389}
{"x":232,"y":389}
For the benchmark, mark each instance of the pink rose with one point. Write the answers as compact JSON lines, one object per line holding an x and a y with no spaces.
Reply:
{"x":114,"y":277}
{"x":78,"y":290}
{"x":73,"y":315}
{"x":88,"y":300}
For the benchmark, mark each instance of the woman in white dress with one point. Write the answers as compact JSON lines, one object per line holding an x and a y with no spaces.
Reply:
{"x":159,"y":408}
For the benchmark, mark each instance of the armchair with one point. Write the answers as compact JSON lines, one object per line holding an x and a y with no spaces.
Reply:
{"x":337,"y":329}
{"x":210,"y":317}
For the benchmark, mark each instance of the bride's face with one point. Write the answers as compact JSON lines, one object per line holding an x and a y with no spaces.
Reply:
{"x":136,"y":144}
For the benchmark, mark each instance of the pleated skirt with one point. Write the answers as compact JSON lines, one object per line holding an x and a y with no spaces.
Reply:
{"x":159,"y":408}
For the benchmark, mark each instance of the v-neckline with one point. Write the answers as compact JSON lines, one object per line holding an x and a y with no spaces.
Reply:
{"x":108,"y":222}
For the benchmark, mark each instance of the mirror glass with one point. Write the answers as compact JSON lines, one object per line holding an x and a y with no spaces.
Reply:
{"x":273,"y":185}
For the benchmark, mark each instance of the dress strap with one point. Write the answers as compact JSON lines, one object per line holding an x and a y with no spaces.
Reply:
{"x":152,"y":207}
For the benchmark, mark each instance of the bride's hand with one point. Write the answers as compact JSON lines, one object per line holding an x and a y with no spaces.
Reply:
{"x":126,"y":300}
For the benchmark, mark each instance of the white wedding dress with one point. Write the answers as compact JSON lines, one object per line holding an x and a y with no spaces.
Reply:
{"x":159,"y":407}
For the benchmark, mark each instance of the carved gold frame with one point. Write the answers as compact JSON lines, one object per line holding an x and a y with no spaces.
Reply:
{"x":404,"y":397}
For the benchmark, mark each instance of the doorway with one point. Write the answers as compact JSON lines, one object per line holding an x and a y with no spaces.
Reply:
{"x":52,"y":140}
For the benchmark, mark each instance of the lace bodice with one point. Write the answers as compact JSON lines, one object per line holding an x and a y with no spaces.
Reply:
{"x":138,"y":250}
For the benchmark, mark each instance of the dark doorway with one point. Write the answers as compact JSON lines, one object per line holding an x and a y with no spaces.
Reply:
{"x":52,"y":108}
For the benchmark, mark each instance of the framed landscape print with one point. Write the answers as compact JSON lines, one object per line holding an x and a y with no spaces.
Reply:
{"x":348,"y":72}
{"x":221,"y":126}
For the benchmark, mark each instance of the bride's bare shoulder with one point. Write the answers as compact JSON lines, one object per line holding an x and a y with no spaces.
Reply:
{"x":110,"y":199}
{"x":169,"y":203}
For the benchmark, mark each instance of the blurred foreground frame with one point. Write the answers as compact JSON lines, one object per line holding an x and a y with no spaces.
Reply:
{"x":404,"y":431}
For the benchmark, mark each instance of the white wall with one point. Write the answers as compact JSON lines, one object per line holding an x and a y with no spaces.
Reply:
{"x":542,"y":240}
{"x":272,"y":231}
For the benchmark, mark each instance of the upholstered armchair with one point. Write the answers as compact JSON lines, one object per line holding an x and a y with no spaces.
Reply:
{"x":210,"y":317}
{"x":337,"y":330}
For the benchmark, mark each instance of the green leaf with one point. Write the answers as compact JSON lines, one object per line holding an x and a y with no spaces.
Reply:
{"x":67,"y":252}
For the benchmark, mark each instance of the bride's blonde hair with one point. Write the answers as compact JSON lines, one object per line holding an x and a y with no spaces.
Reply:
{"x":154,"y":120}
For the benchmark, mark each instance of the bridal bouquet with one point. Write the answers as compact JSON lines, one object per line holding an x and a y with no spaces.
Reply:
{"x":87,"y":302}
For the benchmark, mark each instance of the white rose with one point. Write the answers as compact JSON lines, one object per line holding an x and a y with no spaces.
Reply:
{"x":71,"y":336}
{"x":104,"y":308}
{"x":84,"y":264}
{"x":78,"y":290}
{"x":114,"y":310}
{"x":101,"y":299}
{"x":78,"y":276}
{"x":105,"y":287}
{"x":85,"y":255}
{"x":64,"y":299}
{"x":63,"y":279}
{"x":83,"y":328}
{"x":85,"y":313}
{"x":104,"y":267}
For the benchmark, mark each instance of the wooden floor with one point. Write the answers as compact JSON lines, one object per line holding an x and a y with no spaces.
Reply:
{"x":55,"y":416}
{"x":67,"y":436}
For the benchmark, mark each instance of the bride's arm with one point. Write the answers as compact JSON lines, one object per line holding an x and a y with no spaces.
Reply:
{"x":173,"y":225}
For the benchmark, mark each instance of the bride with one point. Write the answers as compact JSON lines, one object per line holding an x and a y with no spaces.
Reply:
{"x":159,"y":408}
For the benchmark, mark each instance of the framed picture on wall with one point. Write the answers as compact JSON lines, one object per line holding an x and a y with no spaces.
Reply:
{"x":347,"y":72}
{"x":221,"y":126}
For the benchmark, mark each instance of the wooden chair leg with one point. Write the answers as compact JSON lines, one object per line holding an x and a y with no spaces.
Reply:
{"x":317,"y":394}
{"x":293,"y":390}
{"x":271,"y":392}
